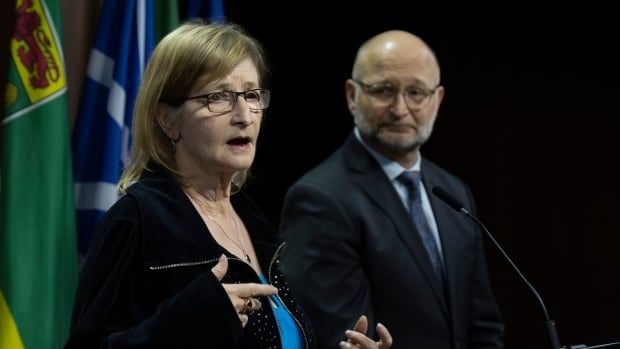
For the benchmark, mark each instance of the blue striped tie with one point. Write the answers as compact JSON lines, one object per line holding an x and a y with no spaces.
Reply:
{"x":411,"y":180}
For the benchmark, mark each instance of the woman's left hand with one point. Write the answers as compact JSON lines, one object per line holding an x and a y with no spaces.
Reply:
{"x":357,"y":336}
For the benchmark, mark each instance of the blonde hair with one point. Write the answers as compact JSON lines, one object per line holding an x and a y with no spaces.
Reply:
{"x":177,"y":62}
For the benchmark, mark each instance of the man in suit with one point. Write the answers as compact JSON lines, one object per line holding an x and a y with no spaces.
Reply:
{"x":364,"y":233}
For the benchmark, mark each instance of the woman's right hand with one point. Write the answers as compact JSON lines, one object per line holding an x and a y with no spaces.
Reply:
{"x":358,"y":339}
{"x":242,"y":296}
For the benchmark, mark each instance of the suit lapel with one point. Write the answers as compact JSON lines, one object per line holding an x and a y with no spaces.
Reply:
{"x":371,"y":179}
{"x":449,"y":226}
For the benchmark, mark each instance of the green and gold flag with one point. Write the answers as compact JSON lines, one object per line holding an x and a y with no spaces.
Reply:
{"x":38,"y":250}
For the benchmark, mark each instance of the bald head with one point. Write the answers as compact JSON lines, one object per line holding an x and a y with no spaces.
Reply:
{"x":396,"y":50}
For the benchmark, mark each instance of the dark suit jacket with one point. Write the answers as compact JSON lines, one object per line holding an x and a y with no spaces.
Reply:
{"x":147,"y":280}
{"x":352,"y":249}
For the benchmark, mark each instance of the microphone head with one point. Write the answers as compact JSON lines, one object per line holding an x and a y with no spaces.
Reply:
{"x":447,"y":198}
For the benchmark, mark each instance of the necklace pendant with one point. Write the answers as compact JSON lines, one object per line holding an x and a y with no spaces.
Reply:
{"x":248,"y":259}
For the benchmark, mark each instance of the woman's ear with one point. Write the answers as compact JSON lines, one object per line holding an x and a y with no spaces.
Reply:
{"x":166,"y":120}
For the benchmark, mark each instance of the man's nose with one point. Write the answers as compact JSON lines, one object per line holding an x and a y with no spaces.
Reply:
{"x":399,"y":106}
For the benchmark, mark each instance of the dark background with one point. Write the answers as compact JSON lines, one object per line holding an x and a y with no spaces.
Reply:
{"x":529,"y":120}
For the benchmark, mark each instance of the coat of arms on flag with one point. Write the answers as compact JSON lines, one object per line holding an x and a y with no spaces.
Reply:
{"x":36,"y":72}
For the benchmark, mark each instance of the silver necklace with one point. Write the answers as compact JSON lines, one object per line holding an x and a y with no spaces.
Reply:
{"x":247,"y":257}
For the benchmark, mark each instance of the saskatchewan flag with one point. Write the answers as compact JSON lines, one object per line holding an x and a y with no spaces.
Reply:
{"x":37,"y":221}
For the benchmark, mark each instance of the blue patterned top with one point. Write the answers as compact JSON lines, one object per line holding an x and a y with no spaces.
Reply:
{"x":287,"y":326}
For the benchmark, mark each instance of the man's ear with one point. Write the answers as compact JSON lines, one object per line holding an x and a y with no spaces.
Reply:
{"x":349,"y":89}
{"x":166,"y":121}
{"x":441,"y":92}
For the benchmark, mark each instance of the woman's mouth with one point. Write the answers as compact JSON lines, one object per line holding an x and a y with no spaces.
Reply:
{"x":240,"y":143}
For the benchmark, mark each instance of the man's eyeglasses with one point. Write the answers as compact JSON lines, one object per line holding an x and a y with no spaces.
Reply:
{"x":385,"y":94}
{"x":225,"y":101}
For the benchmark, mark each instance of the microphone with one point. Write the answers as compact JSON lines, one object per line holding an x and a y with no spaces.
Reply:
{"x":552,"y":334}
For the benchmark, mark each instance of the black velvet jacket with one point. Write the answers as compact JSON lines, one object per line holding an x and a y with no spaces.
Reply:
{"x":147,"y":280}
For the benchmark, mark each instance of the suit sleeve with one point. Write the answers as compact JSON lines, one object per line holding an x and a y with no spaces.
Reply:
{"x":113,"y":310}
{"x":487,"y":327}
{"x":323,"y":263}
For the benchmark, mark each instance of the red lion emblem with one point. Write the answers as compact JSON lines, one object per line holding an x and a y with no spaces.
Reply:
{"x":35,"y":55}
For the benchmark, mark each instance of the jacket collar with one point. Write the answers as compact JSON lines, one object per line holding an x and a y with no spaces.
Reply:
{"x":173,"y":231}
{"x":370,"y":177}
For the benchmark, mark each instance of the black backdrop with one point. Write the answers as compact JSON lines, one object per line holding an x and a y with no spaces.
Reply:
{"x":529,"y":121}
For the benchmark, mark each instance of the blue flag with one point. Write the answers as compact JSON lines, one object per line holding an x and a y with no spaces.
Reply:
{"x":211,"y":9}
{"x":102,"y":134}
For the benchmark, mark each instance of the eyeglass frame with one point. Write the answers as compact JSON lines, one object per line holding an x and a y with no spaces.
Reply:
{"x":233,"y":102}
{"x":428,"y":93}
